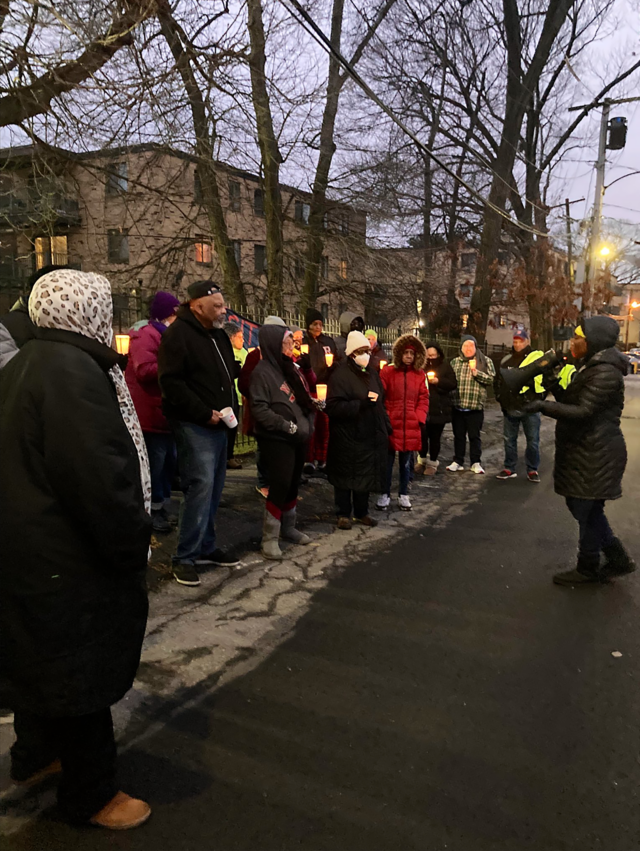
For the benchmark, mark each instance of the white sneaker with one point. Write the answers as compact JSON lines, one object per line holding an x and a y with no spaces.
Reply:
{"x":454,"y":467}
{"x":477,"y":468}
{"x":404,"y":503}
{"x":383,"y":502}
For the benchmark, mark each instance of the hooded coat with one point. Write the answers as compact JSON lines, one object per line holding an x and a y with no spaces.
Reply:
{"x":440,"y":394}
{"x":142,"y":378}
{"x":345,"y":320}
{"x":74,"y":534}
{"x":358,"y":429}
{"x":272,"y":397}
{"x":406,"y":395}
{"x":591,"y":454}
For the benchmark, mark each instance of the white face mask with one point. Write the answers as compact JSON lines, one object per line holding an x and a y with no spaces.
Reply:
{"x":362,"y":360}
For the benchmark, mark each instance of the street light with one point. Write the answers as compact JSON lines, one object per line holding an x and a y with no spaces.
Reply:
{"x":605,"y":251}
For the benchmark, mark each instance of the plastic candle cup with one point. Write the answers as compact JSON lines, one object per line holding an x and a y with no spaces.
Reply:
{"x":472,"y":363}
{"x":383,"y":363}
{"x":304,"y":348}
{"x":431,"y":376}
{"x":122,"y":344}
{"x":329,"y":359}
{"x":321,"y":392}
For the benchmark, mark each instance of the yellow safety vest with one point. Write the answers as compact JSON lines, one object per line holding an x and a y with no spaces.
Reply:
{"x":566,"y":375}
{"x":537,"y":381}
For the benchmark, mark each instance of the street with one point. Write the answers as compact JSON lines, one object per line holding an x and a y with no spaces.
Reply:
{"x":442,"y":694}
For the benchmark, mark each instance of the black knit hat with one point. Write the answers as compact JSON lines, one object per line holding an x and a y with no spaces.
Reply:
{"x":312,"y":315}
{"x":200,"y":289}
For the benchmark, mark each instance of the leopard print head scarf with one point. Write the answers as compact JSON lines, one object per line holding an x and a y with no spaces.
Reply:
{"x":81,"y":301}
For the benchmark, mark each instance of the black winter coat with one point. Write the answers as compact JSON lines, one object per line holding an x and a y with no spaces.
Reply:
{"x":358,"y":430}
{"x":196,"y":370}
{"x":591,"y":454}
{"x":18,"y":323}
{"x":440,"y":394}
{"x":74,"y":535}
{"x":318,"y":348}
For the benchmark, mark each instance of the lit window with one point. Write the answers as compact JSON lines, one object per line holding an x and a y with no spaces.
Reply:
{"x":51,"y":249}
{"x":118,"y":245}
{"x":204,"y":255}
{"x":117,"y":178}
{"x":343,"y":269}
{"x":465,"y":320}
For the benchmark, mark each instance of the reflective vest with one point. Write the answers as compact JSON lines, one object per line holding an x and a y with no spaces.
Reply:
{"x":566,"y":375}
{"x":537,"y":381}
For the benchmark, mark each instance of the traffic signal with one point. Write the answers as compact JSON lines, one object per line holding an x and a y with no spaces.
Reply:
{"x":617,"y":134}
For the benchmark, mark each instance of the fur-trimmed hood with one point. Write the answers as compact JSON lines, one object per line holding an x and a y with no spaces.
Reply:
{"x":402,"y":343}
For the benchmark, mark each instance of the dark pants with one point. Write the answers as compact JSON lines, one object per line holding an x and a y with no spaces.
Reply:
{"x":531,"y":428}
{"x":283,"y":462}
{"x":431,"y":440}
{"x":161,"y":449}
{"x":351,"y":503}
{"x":595,"y":532}
{"x":202,"y":455}
{"x":85,"y":746}
{"x":467,"y":423}
{"x":263,"y":481}
{"x":404,"y":460}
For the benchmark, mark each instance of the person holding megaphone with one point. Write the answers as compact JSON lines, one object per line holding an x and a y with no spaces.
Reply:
{"x":591,"y":453}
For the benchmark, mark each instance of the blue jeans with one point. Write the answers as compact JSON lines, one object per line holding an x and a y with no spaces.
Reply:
{"x":595,"y":532}
{"x":202,"y":457}
{"x":161,"y":449}
{"x":404,"y":461}
{"x":531,"y":429}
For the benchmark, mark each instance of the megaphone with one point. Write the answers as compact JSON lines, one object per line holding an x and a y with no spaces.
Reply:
{"x":516,"y":377}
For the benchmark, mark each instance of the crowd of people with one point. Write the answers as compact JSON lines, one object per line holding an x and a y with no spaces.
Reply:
{"x":91,"y":442}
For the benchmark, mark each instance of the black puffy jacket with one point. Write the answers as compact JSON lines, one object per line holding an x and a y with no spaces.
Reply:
{"x":358,"y":430}
{"x":591,"y":454}
{"x":74,"y":535}
{"x":440,"y":401}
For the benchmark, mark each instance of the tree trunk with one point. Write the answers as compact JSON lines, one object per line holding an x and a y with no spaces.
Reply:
{"x":205,"y":140}
{"x":271,"y":158}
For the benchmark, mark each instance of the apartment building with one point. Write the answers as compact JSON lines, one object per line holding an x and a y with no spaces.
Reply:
{"x":136,"y":215}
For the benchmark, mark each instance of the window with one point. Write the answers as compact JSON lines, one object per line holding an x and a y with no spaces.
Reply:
{"x":258,"y":202}
{"x":302,"y":212}
{"x":197,"y":188}
{"x":51,"y":249}
{"x":299,"y":267}
{"x":344,"y":223}
{"x":235,"y":244}
{"x":117,"y":178}
{"x":259,"y":259}
{"x":324,"y":267}
{"x":465,"y":320}
{"x":324,"y":310}
{"x":204,"y":255}
{"x":118,"y":245}
{"x":343,"y":269}
{"x":502,"y":319}
{"x":466,"y":290}
{"x":234,"y":195}
{"x":467,"y":260}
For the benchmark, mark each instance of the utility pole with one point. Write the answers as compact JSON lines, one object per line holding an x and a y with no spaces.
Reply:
{"x":567,"y":208}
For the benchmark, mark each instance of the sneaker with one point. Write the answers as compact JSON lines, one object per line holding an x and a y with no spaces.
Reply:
{"x":404,"y":503}
{"x":383,"y":502}
{"x":454,"y":467}
{"x":48,"y":771}
{"x":159,"y":521}
{"x":507,"y":474}
{"x":477,"y":468}
{"x":309,"y":469}
{"x":234,"y":464}
{"x":264,"y":492}
{"x":219,"y":558}
{"x":367,"y":521}
{"x":122,"y":813}
{"x":185,"y":574}
{"x":345,"y":523}
{"x":533,"y":476}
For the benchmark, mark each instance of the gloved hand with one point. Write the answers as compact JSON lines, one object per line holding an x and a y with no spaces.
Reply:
{"x":534,"y":407}
{"x":320,"y":404}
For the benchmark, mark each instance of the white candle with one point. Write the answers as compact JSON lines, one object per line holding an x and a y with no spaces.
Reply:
{"x":321,"y":392}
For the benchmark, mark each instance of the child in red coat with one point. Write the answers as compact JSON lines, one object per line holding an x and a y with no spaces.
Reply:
{"x":407,"y":403}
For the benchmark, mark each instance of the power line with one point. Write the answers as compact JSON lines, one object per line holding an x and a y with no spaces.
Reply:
{"x":317,"y":34}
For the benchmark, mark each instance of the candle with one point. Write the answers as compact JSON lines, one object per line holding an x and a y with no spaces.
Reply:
{"x":329,"y":359}
{"x":304,"y":348}
{"x":321,"y":391}
{"x":122,"y":344}
{"x":252,"y":349}
{"x":472,"y":363}
{"x":431,"y":375}
{"x":383,"y":363}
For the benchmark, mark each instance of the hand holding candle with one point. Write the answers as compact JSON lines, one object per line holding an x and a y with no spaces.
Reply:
{"x":329,"y":359}
{"x":304,"y":348}
{"x":321,"y":392}
{"x":472,"y":364}
{"x":431,"y":375}
{"x":122,"y":344}
{"x":383,"y":363}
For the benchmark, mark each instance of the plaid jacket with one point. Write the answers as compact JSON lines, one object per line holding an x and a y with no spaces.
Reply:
{"x":471,"y":392}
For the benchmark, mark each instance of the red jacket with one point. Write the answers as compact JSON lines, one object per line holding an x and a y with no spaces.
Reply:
{"x":407,"y":403}
{"x":142,"y":378}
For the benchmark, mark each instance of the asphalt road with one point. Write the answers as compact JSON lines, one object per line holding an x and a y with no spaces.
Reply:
{"x":444,"y":695}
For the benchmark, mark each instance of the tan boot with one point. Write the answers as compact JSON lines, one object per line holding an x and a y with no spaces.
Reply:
{"x":122,"y":813}
{"x":432,"y":468}
{"x":421,"y":466}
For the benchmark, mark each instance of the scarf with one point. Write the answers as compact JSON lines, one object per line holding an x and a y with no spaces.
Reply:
{"x":81,"y":302}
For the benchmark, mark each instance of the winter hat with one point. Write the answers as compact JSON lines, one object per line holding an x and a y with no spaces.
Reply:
{"x":465,"y":338}
{"x":357,"y":324}
{"x":312,"y":315}
{"x":356,"y":340}
{"x":602,"y":332}
{"x":345,"y":322}
{"x":274,"y":320}
{"x":521,"y":334}
{"x":200,"y":289}
{"x":371,"y":333}
{"x":163,"y":305}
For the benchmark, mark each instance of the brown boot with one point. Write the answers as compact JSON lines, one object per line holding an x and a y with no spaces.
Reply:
{"x":122,"y":813}
{"x":432,"y":468}
{"x":39,"y":776}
